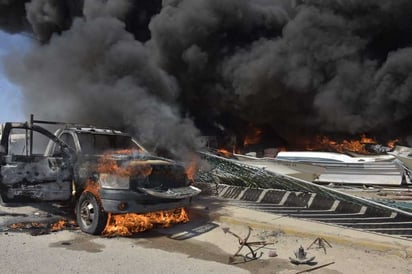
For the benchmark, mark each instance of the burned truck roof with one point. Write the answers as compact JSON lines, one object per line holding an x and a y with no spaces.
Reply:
{"x":95,"y":130}
{"x":95,"y":141}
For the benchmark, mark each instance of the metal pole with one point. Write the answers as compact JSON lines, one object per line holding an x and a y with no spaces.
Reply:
{"x":31,"y":133}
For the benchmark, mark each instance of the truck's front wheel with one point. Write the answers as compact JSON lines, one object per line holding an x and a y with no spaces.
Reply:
{"x":90,"y":216}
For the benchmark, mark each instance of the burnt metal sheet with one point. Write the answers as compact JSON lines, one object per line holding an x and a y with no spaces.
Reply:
{"x":172,"y":193}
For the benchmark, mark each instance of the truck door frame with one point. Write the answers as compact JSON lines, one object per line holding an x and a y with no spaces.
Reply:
{"x":34,"y":178}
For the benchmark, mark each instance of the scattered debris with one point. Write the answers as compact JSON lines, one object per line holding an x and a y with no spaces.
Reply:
{"x":321,"y":243}
{"x":301,"y":257}
{"x":244,"y":242}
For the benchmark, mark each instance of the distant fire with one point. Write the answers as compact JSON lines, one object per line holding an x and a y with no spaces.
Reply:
{"x":225,"y":152}
{"x":392,"y":143}
{"x":131,"y":223}
{"x":254,"y":136}
{"x":324,"y":143}
{"x":363,"y":144}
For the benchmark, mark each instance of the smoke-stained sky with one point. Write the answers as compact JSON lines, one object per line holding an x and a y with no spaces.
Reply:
{"x":176,"y":69}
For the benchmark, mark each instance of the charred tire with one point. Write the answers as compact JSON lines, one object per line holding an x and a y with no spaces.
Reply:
{"x":90,"y":215}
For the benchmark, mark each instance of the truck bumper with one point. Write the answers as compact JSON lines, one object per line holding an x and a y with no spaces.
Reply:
{"x":126,"y":201}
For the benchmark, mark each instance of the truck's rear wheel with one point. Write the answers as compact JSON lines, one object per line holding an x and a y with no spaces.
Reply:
{"x":90,"y":215}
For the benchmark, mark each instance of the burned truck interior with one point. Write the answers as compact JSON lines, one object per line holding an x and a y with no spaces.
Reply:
{"x":99,"y":170}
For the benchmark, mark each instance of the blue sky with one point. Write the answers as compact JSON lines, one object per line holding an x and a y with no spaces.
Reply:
{"x":10,"y":95}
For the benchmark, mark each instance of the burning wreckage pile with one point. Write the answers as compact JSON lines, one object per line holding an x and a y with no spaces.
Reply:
{"x":364,"y":168}
{"x":270,"y":185}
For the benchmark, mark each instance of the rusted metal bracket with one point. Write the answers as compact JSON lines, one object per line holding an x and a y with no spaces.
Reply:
{"x":321,"y":243}
{"x":243,"y":242}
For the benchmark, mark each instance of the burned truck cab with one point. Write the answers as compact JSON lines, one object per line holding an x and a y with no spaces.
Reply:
{"x":26,"y":174}
{"x":103,"y":170}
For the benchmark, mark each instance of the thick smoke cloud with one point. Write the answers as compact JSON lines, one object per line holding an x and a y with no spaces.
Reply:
{"x":282,"y":76}
{"x":192,"y":40}
{"x":325,"y":66}
{"x":97,"y":72}
{"x":13,"y":16}
{"x":291,"y":67}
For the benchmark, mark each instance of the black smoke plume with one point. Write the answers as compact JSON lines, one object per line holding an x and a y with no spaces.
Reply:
{"x":290,"y":67}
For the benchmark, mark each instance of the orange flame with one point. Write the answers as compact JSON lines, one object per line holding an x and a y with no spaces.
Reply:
{"x":367,"y":140}
{"x":62,"y":224}
{"x":26,"y":225}
{"x":92,"y":187}
{"x":59,"y":225}
{"x":125,"y":151}
{"x":133,"y":168}
{"x":326,"y":144}
{"x":253,"y":137}
{"x":225,"y":152}
{"x":392,"y":143}
{"x":131,"y":223}
{"x":192,"y":168}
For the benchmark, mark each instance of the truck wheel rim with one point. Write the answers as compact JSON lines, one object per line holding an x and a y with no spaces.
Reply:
{"x":87,"y":213}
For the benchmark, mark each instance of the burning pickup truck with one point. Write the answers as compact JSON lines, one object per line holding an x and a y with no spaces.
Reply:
{"x":101,"y":170}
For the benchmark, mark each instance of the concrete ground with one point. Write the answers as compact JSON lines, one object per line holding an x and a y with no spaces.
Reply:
{"x":352,"y":251}
{"x":306,"y":228}
{"x":200,"y":246}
